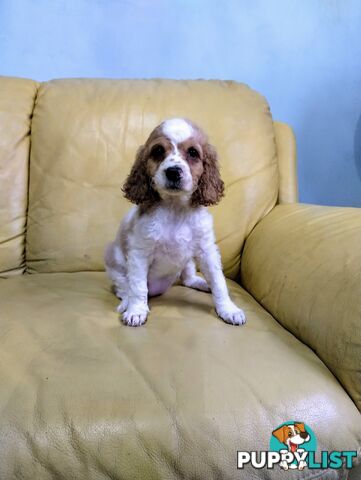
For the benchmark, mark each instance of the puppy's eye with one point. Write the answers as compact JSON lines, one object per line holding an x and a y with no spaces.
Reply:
{"x":192,"y":152}
{"x":290,"y":434}
{"x":158,"y":151}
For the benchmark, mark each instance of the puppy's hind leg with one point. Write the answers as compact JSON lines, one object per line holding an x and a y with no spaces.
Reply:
{"x":189,"y":278}
{"x":116,"y":268}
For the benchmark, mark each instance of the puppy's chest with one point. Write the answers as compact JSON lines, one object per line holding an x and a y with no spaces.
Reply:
{"x":172,"y":241}
{"x":175,"y":242}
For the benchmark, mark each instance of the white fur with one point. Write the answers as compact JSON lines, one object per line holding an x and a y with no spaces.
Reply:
{"x":153,"y":250}
{"x":177,"y":129}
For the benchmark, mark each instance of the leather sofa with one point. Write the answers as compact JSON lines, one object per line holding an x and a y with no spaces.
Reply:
{"x":84,"y":397}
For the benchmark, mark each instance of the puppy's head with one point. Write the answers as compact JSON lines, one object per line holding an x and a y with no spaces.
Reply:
{"x":175,"y":162}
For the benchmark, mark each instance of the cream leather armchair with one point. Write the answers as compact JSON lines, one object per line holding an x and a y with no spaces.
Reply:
{"x":82,"y":396}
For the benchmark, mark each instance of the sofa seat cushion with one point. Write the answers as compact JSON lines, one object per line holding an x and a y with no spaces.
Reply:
{"x":83,"y":396}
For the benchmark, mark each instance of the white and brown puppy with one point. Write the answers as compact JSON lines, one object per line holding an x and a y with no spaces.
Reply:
{"x":174,"y":177}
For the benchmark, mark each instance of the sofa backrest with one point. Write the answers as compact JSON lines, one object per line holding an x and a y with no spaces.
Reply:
{"x":17,"y":97}
{"x":84,"y":135}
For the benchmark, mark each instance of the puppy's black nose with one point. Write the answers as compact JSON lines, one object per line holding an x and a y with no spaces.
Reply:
{"x":303,"y":435}
{"x":173,"y":174}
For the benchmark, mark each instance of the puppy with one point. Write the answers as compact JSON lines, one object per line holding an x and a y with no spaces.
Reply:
{"x":174,"y":178}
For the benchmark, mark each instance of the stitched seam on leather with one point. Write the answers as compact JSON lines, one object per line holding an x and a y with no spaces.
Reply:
{"x":28,"y":186}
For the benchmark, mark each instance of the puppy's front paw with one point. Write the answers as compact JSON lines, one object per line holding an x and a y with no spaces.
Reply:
{"x":135,"y":315}
{"x":230,"y":313}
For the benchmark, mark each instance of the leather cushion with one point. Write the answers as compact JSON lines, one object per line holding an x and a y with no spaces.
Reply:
{"x":303,"y":264}
{"x":17,"y":97}
{"x":83,"y":396}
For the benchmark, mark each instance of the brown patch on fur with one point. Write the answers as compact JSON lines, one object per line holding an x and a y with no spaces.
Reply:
{"x":138,"y":185}
{"x":152,"y":167}
{"x":195,"y":164}
{"x":197,"y":170}
{"x":210,"y":185}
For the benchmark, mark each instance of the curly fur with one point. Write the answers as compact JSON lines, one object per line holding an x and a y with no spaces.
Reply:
{"x":210,"y":186}
{"x":138,"y":186}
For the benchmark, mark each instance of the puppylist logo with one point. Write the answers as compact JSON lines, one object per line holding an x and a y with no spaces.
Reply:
{"x":293,"y":446}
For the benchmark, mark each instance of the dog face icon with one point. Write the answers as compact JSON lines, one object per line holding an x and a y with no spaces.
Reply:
{"x":292,"y":435}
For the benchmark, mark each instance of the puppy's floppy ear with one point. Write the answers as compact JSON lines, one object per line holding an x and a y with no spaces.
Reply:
{"x":138,"y":185}
{"x":210,"y":185}
{"x":280,"y":433}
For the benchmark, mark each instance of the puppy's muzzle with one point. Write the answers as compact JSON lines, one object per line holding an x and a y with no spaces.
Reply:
{"x":174,"y":176}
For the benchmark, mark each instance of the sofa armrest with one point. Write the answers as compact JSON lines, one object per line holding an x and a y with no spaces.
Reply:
{"x":303,"y":264}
